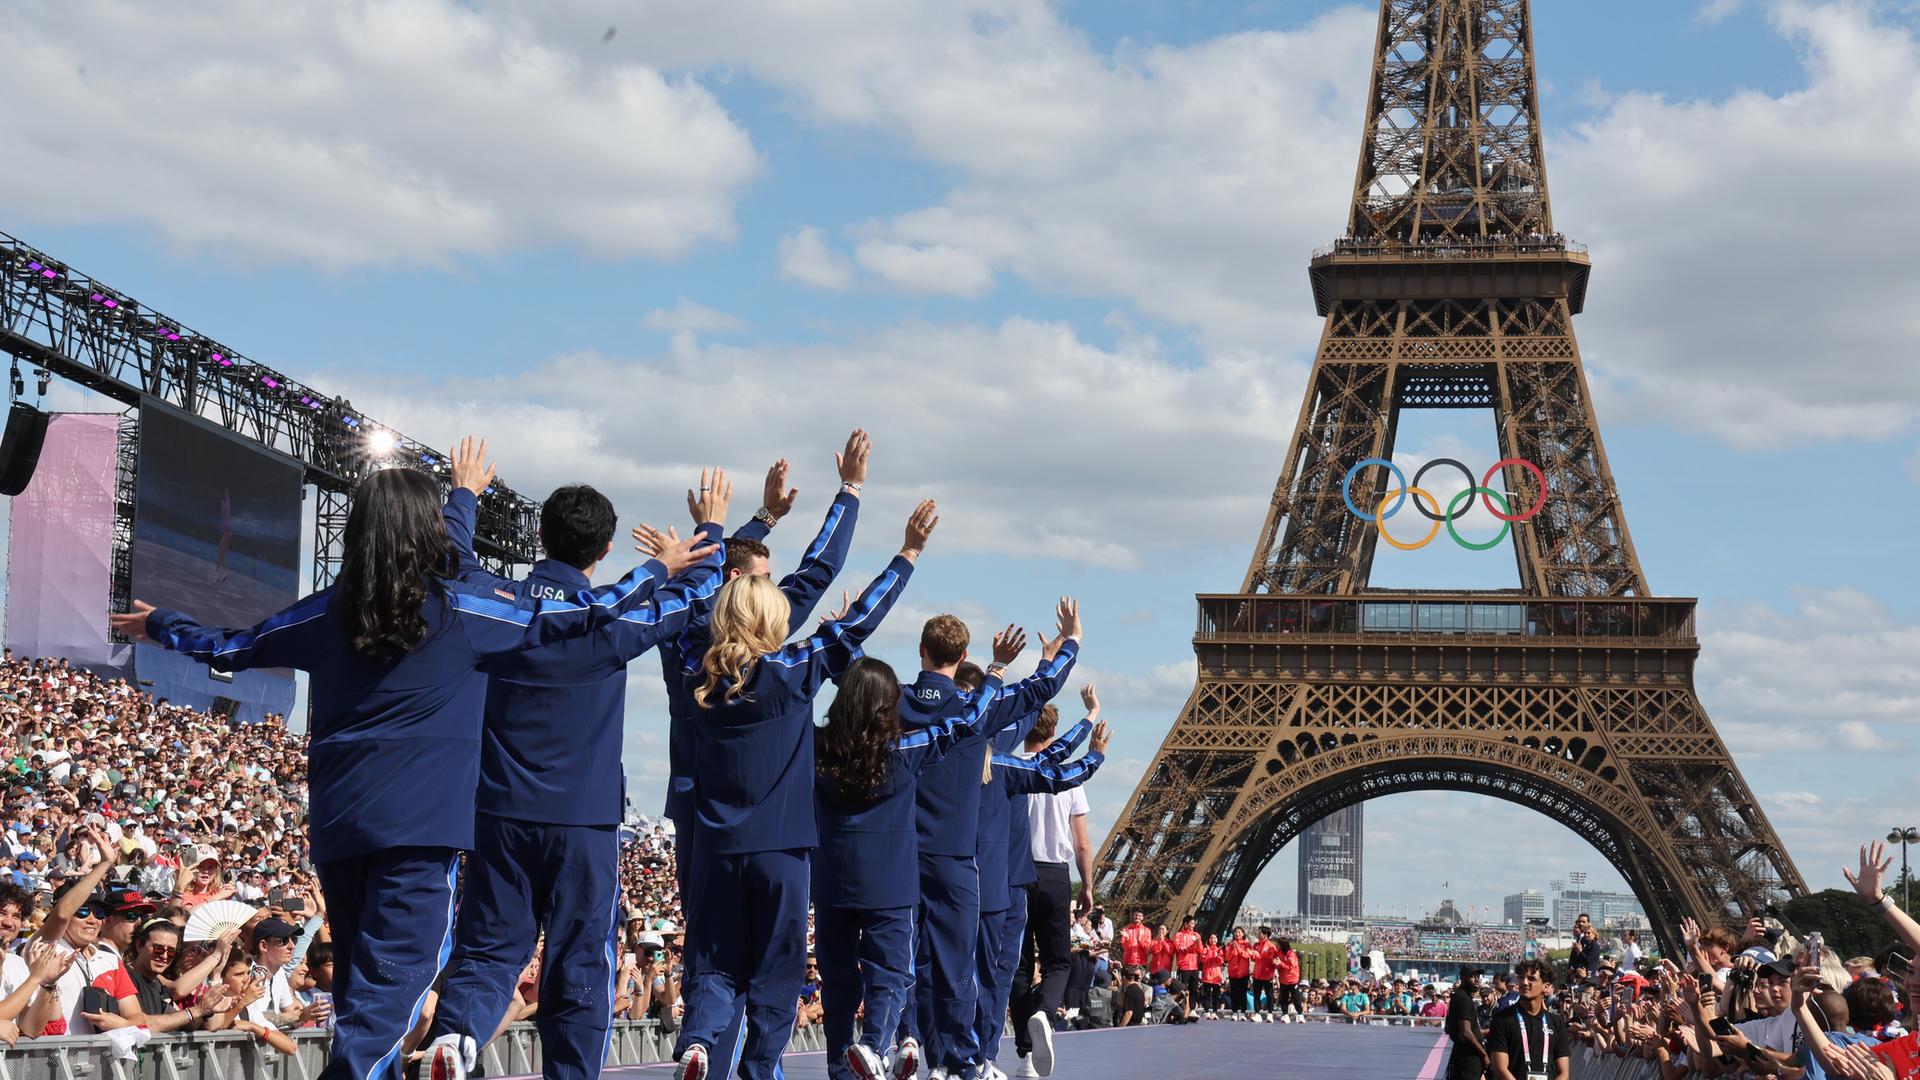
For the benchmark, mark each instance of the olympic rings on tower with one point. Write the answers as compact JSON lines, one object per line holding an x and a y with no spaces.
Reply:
{"x":1488,"y":495}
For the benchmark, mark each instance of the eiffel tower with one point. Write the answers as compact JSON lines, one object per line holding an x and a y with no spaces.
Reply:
{"x":1572,"y":694}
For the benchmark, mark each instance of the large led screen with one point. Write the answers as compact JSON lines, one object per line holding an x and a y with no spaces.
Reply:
{"x":216,"y":535}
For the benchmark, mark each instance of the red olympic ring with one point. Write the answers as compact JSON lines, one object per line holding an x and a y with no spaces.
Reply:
{"x":1486,"y":482}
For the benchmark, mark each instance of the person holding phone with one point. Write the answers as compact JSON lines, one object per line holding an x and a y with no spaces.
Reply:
{"x":1528,"y":1042}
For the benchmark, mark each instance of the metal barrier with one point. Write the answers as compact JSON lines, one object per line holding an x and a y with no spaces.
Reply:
{"x":227,"y":1056}
{"x":1588,"y":1065}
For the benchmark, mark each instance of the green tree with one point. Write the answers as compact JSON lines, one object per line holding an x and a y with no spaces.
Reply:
{"x":1848,"y":924}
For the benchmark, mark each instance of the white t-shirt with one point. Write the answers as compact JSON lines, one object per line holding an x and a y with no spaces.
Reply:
{"x":85,"y":968}
{"x":1052,"y":819}
{"x":14,"y":973}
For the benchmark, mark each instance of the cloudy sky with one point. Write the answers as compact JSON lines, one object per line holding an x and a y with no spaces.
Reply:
{"x":1052,"y":255}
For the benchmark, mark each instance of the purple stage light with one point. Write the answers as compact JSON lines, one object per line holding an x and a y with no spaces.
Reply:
{"x":270,"y":382}
{"x":222,"y":360}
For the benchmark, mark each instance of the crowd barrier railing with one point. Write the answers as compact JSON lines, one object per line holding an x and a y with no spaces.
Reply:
{"x":227,"y":1056}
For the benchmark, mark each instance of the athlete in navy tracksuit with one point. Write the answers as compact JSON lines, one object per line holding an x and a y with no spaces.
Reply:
{"x":863,"y":893}
{"x":547,"y":845}
{"x":753,"y":820}
{"x":803,"y":589}
{"x":946,"y":993}
{"x":1005,"y":855}
{"x":394,"y":756}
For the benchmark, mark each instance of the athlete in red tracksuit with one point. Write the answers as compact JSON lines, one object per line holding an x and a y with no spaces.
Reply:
{"x":1213,"y":960}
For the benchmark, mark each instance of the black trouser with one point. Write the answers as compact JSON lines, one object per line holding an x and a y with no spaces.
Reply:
{"x":1289,"y":995}
{"x":1464,"y":1064}
{"x":1263,"y":995}
{"x":1237,"y":993}
{"x":1049,"y":946}
{"x":1210,"y":996}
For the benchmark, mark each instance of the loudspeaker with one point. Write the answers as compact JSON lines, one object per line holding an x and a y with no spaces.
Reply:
{"x":20,"y":447}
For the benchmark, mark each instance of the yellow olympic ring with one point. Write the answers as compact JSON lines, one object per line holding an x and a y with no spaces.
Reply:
{"x":1380,"y":521}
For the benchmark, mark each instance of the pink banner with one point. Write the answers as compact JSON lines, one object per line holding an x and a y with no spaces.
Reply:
{"x":61,"y":545}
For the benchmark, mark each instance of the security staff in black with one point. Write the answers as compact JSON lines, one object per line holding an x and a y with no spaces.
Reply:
{"x":1468,"y":1061}
{"x":1527,"y":1042}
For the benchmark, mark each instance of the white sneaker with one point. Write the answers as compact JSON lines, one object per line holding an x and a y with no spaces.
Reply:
{"x":1040,"y":1033}
{"x":906,"y":1060}
{"x":938,"y":1074}
{"x":451,"y":1057}
{"x":993,"y":1072}
{"x":865,"y":1063}
{"x":693,"y":1064}
{"x":1025,"y":1069}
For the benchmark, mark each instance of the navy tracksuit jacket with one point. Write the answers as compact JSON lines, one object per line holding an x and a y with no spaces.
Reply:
{"x":547,"y":845}
{"x":393,"y":761}
{"x":865,"y":886}
{"x":752,"y":827}
{"x":1003,"y":814}
{"x":946,"y":821}
{"x":803,"y":589}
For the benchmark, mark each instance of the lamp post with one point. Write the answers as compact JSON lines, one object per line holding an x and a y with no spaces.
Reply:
{"x":1903,"y":837}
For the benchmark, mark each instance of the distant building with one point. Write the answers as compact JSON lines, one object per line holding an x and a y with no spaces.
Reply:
{"x":1521,"y":906}
{"x":1608,"y":910}
{"x":1330,"y":854}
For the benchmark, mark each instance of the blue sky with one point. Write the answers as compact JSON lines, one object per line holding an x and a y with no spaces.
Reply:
{"x":1053,"y":256}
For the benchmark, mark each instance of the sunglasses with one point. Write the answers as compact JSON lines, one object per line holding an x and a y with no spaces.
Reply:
{"x":88,"y":911}
{"x":163,"y":950}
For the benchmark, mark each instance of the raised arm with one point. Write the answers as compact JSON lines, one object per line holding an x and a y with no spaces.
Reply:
{"x":1056,"y":663}
{"x":827,"y":555}
{"x":1062,"y":747}
{"x":280,"y":640}
{"x":633,"y":616}
{"x":472,"y":474}
{"x":837,"y":643}
{"x":1874,"y":862}
{"x":1039,"y":775}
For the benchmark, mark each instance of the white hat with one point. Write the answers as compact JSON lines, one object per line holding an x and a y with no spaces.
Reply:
{"x":205,"y":853}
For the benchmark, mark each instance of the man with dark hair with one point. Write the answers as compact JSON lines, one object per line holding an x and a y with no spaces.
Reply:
{"x":1468,"y":1060}
{"x":747,"y":556}
{"x":551,"y":796}
{"x":1527,"y":1042}
{"x":947,"y":823}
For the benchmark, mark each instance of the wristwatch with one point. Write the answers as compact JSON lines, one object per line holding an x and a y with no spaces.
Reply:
{"x":765,"y":517}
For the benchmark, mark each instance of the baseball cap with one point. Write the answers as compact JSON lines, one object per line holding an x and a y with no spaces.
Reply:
{"x":121,"y":901}
{"x":205,"y":853}
{"x":274,"y":928}
{"x":1472,"y":972}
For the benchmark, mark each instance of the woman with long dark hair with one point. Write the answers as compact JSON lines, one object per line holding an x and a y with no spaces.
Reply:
{"x":395,"y":650}
{"x":863,"y":793}
{"x":1286,"y":979}
{"x":753,"y":806}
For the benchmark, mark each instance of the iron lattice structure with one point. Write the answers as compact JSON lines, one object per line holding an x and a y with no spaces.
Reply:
{"x":1573,"y":694}
{"x":64,"y":322}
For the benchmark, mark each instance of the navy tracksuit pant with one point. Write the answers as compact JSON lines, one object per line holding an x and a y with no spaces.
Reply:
{"x":750,"y":934}
{"x":1001,"y":933}
{"x":946,"y":990}
{"x":391,"y":913}
{"x":865,"y":955}
{"x":523,"y":878}
{"x":733,"y":1038}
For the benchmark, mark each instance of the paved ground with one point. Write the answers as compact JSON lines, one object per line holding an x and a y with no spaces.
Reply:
{"x":1210,"y":1050}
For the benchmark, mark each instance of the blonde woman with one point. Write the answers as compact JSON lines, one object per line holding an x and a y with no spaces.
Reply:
{"x":753,"y":812}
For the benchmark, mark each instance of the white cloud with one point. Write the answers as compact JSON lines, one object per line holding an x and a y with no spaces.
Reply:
{"x":1837,"y":672}
{"x":927,"y":268}
{"x":1734,"y":293}
{"x":1717,"y":11}
{"x":687,"y":317}
{"x":1762,"y":335}
{"x":1037,"y":443}
{"x":806,"y":258}
{"x":350,"y":134}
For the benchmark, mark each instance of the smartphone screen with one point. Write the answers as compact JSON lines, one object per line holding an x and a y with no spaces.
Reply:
{"x":1705,"y":978}
{"x":1721,"y":1026}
